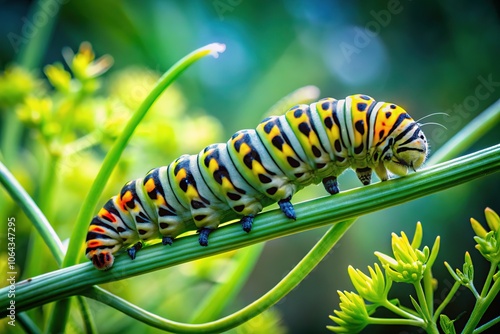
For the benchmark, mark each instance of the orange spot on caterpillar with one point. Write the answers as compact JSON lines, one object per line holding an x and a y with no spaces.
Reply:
{"x":94,"y":243}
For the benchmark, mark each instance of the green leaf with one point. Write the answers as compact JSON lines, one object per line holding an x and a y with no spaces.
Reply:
{"x":417,"y":307}
{"x":447,"y":324}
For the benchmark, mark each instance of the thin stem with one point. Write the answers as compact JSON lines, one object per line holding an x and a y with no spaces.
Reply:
{"x":489,"y":279}
{"x":472,"y":289}
{"x":289,"y":282}
{"x":481,"y":306}
{"x":447,"y":299}
{"x":27,"y":324}
{"x":223,"y":294}
{"x":428,"y":290}
{"x":423,"y":302}
{"x":487,"y":325}
{"x":396,"y":321}
{"x":399,"y":311}
{"x":33,"y":212}
{"x":88,"y":321}
{"x":468,"y":135}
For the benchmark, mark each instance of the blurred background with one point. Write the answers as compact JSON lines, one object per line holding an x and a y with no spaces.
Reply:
{"x":427,"y":56}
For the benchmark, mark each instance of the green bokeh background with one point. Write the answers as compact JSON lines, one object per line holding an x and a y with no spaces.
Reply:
{"x":427,"y":56}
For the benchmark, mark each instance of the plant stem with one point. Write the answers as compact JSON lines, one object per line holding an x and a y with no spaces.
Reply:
{"x":27,"y":324}
{"x":481,"y":306}
{"x":468,"y":135}
{"x":318,"y":212}
{"x":487,"y":325}
{"x":399,"y":311}
{"x":33,"y":212}
{"x":489,"y":279}
{"x":447,"y":299}
{"x":223,"y":294}
{"x":428,"y":290}
{"x":423,"y":302}
{"x":289,"y":282}
{"x":395,"y":321}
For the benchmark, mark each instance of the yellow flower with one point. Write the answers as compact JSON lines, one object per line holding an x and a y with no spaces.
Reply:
{"x":84,"y":65}
{"x":372,"y":288}
{"x":409,"y":263}
{"x":35,"y":111}
{"x":488,"y":243}
{"x":352,"y":317}
{"x":58,"y":77}
{"x":15,"y":84}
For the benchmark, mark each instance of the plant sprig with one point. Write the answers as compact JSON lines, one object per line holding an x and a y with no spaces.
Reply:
{"x":412,"y":265}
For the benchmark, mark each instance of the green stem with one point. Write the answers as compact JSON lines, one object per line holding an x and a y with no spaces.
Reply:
{"x":468,"y":135}
{"x":269,"y":225}
{"x":289,"y":282}
{"x":88,"y":321}
{"x":487,"y":325}
{"x":33,"y":212}
{"x":222,"y":295}
{"x":395,"y":321}
{"x":402,"y":313}
{"x":423,"y":302}
{"x":11,"y":134}
{"x":27,"y":324}
{"x":481,"y":306}
{"x":428,"y":290}
{"x":447,"y":299}
{"x":489,"y":279}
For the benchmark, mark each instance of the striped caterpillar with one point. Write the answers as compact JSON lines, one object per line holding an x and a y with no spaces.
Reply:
{"x":307,"y":145}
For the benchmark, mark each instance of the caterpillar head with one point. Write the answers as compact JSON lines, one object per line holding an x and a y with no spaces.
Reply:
{"x":102,"y":241}
{"x":409,"y":150}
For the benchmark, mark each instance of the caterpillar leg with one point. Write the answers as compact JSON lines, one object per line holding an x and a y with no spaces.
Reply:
{"x":167,"y":240}
{"x":381,"y":172}
{"x":364,"y":175}
{"x":287,"y":208}
{"x":203,"y":238}
{"x":331,"y":185}
{"x":246,"y":223}
{"x":103,"y":260}
{"x":132,"y":251}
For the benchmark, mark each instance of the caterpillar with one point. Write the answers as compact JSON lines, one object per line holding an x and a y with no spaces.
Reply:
{"x":307,"y":145}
